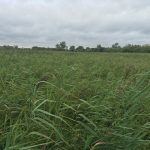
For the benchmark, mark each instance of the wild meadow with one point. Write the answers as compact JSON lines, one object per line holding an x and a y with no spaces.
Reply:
{"x":74,"y":101}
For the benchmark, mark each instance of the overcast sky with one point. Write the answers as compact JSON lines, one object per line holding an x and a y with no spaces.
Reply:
{"x":78,"y":22}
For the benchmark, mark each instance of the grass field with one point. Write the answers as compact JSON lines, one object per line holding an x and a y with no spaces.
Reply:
{"x":74,"y":101}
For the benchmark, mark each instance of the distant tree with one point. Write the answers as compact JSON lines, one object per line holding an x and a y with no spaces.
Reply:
{"x":88,"y":49}
{"x":80,"y":48}
{"x":94,"y":49}
{"x":8,"y":47}
{"x":72,"y":48}
{"x":135,"y":48}
{"x":129,"y":45}
{"x":99,"y":48}
{"x":35,"y":47}
{"x":16,"y":46}
{"x":61,"y":46}
{"x":116,"y":45}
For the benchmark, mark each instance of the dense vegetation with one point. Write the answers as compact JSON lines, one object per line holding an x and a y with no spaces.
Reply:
{"x":62,"y":46}
{"x":74,"y":101}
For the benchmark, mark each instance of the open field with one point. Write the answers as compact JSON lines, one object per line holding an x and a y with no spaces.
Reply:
{"x":74,"y":101}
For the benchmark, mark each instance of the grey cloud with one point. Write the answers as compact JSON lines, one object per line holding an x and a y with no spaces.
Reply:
{"x":80,"y":22}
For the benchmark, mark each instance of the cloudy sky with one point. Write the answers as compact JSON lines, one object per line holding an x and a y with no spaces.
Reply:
{"x":78,"y":22}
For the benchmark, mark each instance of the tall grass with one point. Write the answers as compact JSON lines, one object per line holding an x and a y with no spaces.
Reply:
{"x":74,"y":101}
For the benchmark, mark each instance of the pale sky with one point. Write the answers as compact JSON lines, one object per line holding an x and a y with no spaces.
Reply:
{"x":78,"y":22}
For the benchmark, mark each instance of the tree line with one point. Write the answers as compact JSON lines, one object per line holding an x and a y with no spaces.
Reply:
{"x":62,"y":46}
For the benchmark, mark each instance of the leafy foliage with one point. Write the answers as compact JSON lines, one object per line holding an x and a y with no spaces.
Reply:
{"x":62,"y":46}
